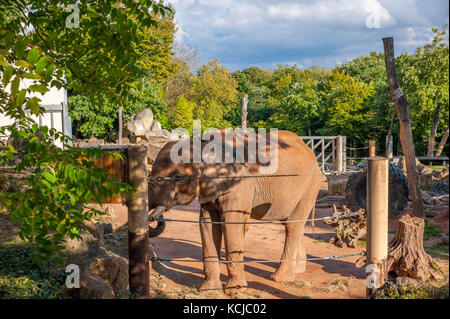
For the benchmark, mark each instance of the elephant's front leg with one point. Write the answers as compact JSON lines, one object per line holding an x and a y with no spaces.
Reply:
{"x":211,"y":241}
{"x":234,"y":242}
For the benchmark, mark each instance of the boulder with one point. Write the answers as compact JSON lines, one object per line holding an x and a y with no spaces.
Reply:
{"x":92,"y":286}
{"x":143,"y":127}
{"x":337,"y":184}
{"x":114,"y":270}
{"x":156,"y":126}
{"x":178,"y":134}
{"x":135,"y":129}
{"x":145,"y":118}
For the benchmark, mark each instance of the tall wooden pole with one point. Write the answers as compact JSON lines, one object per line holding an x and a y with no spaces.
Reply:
{"x":372,"y":151}
{"x":377,"y":222}
{"x":244,"y":112}
{"x":406,"y":137}
{"x":119,"y":137}
{"x":138,"y":242}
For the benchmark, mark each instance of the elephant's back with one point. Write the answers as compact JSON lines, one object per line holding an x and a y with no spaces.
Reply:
{"x":294,"y":155}
{"x":275,"y":198}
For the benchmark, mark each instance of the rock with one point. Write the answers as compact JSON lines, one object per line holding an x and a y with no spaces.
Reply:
{"x":337,"y":184}
{"x":178,"y":134}
{"x":444,"y":240}
{"x":92,"y":286}
{"x":145,"y":117}
{"x":143,"y":127}
{"x":154,"y":145}
{"x":156,"y":126}
{"x":114,"y":270}
{"x":107,"y":228}
{"x":159,"y":133}
{"x":135,"y":129}
{"x":80,"y":246}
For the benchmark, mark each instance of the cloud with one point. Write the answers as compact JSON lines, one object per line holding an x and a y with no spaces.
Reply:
{"x":311,"y":32}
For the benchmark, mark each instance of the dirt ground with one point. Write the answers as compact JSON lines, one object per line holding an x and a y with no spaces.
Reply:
{"x":322,"y":279}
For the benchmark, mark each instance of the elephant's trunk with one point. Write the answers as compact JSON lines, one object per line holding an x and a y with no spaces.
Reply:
{"x":154,"y":232}
{"x":151,"y":196}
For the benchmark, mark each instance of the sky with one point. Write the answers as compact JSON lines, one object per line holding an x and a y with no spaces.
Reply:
{"x":325,"y":33}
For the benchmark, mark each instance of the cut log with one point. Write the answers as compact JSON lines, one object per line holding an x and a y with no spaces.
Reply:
{"x":348,"y":230}
{"x":406,"y":255}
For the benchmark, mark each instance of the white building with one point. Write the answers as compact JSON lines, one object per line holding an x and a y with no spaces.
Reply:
{"x":56,"y":111}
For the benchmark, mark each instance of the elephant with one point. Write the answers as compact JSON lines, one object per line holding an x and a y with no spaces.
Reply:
{"x":244,"y":192}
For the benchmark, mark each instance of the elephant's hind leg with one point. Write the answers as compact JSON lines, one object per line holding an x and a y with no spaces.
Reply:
{"x":294,"y":249}
{"x":211,"y":241}
{"x":287,"y":269}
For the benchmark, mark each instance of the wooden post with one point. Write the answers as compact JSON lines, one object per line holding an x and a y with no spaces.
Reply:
{"x":406,"y":137}
{"x":119,"y":137}
{"x":244,"y":112}
{"x":323,"y":156}
{"x":389,"y":147}
{"x":372,"y":150}
{"x":377,"y":222}
{"x":138,"y":242}
{"x":339,"y":154}
{"x":333,"y":153}
{"x":344,"y":153}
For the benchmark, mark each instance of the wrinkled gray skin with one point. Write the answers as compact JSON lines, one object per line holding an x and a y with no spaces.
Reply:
{"x":236,"y":200}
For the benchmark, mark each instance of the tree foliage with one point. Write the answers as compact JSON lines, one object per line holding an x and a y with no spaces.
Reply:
{"x":100,"y":55}
{"x":425,"y":81}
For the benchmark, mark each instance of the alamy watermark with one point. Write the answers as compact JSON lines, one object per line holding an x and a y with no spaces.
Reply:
{"x":373,"y":277}
{"x":73,"y":19}
{"x":73,"y":278}
{"x":229,"y":146}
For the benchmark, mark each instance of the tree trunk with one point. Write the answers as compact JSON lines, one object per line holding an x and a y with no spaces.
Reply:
{"x":119,"y":138}
{"x":442,"y":143}
{"x":406,"y":256}
{"x":406,"y":137}
{"x":244,"y":112}
{"x":434,"y":129}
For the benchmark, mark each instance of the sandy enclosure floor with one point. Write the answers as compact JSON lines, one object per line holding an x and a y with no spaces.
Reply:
{"x":322,"y":279}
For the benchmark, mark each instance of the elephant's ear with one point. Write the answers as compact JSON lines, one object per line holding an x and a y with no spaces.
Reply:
{"x":212,"y":187}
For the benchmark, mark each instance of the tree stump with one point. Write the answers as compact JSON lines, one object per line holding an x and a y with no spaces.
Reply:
{"x":348,"y":230}
{"x":406,"y":255}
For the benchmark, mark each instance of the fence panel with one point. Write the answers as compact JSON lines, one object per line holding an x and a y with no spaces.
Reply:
{"x":328,"y":150}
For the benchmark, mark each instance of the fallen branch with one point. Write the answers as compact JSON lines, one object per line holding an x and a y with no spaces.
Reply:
{"x":348,"y":230}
